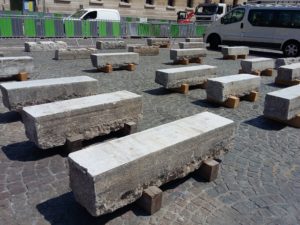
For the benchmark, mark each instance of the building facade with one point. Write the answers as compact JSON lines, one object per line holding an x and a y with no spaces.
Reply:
{"x":153,"y":9}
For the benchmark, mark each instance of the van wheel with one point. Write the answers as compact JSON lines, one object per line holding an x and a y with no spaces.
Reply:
{"x":214,"y":41}
{"x":291,"y":49}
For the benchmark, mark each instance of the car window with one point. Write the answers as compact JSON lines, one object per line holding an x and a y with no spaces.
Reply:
{"x":234,"y":16}
{"x":91,"y":15}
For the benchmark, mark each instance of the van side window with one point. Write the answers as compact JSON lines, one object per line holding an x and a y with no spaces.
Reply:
{"x":91,"y":16}
{"x":234,"y":16}
{"x":274,"y":18}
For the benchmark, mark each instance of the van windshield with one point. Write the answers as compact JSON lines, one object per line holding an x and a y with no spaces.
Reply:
{"x":207,"y":10}
{"x":78,"y":14}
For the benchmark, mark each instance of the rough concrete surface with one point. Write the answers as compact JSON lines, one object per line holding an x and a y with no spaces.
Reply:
{"x":144,"y":50}
{"x":16,"y":95}
{"x":184,"y":45}
{"x":283,"y":104}
{"x":235,"y":50}
{"x":177,"y":54}
{"x":80,"y":53}
{"x":50,"y":125}
{"x":289,"y":72}
{"x":192,"y":75}
{"x":44,"y":46}
{"x":100,"y":60}
{"x":107,"y":176}
{"x":220,"y":88}
{"x":111,"y":45}
{"x":158,"y":41}
{"x":14,"y":65}
{"x":249,"y":65}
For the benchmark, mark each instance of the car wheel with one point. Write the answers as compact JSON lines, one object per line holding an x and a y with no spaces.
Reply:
{"x":214,"y":42}
{"x":291,"y":49}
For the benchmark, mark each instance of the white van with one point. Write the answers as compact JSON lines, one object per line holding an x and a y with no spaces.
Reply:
{"x":267,"y":26}
{"x":96,"y":14}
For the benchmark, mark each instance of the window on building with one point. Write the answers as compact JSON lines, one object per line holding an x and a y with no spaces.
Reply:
{"x":190,"y":3}
{"x":126,"y":1}
{"x":150,"y":2}
{"x":171,"y":3}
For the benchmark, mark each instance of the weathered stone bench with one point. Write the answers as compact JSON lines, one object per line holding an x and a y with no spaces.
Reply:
{"x":286,"y":61}
{"x":17,"y":95}
{"x":17,"y":67}
{"x":184,"y":45}
{"x":44,"y":46}
{"x":107,"y":61}
{"x":228,"y":89}
{"x":81,"y":53}
{"x":185,"y":56}
{"x":288,"y":75}
{"x":52,"y":124}
{"x":235,"y":52}
{"x":144,"y":50}
{"x":160,"y":42}
{"x":258,"y":66}
{"x":284,"y":106}
{"x":190,"y":76}
{"x":113,"y":174}
{"x":111,"y":45}
{"x":194,"y":39}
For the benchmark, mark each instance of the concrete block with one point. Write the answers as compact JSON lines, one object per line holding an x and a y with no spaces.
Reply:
{"x":286,"y":61}
{"x":184,"y":45}
{"x":220,"y":88}
{"x":10,"y":66}
{"x":235,"y":50}
{"x":288,"y":73}
{"x":100,"y":60}
{"x":178,"y":54}
{"x":192,"y":75}
{"x":17,"y":95}
{"x":194,"y":39}
{"x":44,"y":46}
{"x":284,"y":104}
{"x":81,"y":53}
{"x":110,"y":175}
{"x":260,"y":64}
{"x":144,"y":50}
{"x":111,"y":45}
{"x":50,"y":125}
{"x":158,"y":41}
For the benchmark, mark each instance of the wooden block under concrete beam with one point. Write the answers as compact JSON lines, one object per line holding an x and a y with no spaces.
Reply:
{"x":253,"y":96}
{"x":295,"y":122}
{"x":151,"y":200}
{"x":129,"y":128}
{"x":22,"y":76}
{"x":267,"y":72}
{"x":209,"y":170}
{"x":74,"y":143}
{"x":232,"y":102}
{"x":131,"y":67}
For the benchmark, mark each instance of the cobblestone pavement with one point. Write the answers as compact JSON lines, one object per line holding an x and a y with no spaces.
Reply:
{"x":259,"y":181}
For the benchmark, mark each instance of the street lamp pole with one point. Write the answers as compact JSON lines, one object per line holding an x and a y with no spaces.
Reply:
{"x":44,"y":6}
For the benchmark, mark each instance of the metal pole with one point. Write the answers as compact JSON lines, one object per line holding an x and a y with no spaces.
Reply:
{"x":44,"y":6}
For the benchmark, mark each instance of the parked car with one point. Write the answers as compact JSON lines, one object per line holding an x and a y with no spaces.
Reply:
{"x":96,"y":14}
{"x":267,"y":26}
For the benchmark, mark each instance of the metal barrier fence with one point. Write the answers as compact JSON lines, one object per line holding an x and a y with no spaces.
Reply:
{"x":34,"y":27}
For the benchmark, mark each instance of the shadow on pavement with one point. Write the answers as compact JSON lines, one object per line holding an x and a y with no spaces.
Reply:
{"x":205,"y":103}
{"x":158,"y":91}
{"x":264,"y":123}
{"x":9,"y":117}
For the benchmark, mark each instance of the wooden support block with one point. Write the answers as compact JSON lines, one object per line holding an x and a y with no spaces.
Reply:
{"x":232,"y":57}
{"x":196,"y":60}
{"x":129,"y":128}
{"x":242,"y":56}
{"x":74,"y":143}
{"x":295,"y":122}
{"x":184,"y":89}
{"x":267,"y":72}
{"x":106,"y":69}
{"x":253,"y":96}
{"x":131,"y":67}
{"x":165,"y":46}
{"x":232,"y":102}
{"x":209,"y":170}
{"x":151,"y":200}
{"x":203,"y":85}
{"x":256,"y":72}
{"x":287,"y":83}
{"x":241,"y":71}
{"x":182,"y":61}
{"x":22,"y":76}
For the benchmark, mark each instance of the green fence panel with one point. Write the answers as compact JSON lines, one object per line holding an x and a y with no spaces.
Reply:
{"x":86,"y":28}
{"x":174,"y":30}
{"x":69,"y":28}
{"x":6,"y":27}
{"x":144,"y":29}
{"x":156,"y":30}
{"x":200,"y":30}
{"x":116,"y":29}
{"x":128,"y":19}
{"x":49,"y":28}
{"x":102,"y":29}
{"x":29,"y":27}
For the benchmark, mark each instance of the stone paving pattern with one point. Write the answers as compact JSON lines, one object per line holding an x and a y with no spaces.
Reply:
{"x":259,"y":181}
